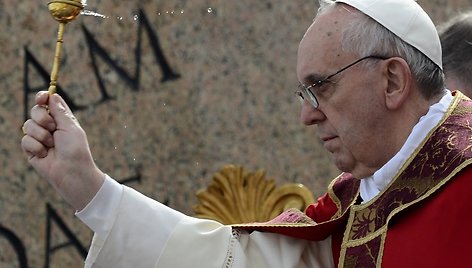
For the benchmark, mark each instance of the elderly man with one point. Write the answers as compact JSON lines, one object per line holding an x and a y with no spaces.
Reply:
{"x":371,"y":80}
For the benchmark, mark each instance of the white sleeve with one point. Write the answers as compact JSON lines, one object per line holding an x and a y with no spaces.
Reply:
{"x":128,"y":227}
{"x":98,"y":215}
{"x":278,"y":251}
{"x":132,"y":230}
{"x":205,"y":243}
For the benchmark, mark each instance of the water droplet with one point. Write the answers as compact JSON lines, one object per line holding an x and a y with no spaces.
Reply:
{"x":126,"y":126}
{"x":135,"y":17}
{"x":172,"y":12}
{"x":164,"y":104}
{"x":209,"y":10}
{"x":116,"y":148}
{"x":92,"y":13}
{"x":158,"y":13}
{"x":134,"y":158}
{"x":181,"y":12}
{"x":119,"y":18}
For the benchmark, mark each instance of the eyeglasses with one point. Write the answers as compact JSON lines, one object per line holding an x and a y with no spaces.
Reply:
{"x":306,"y":92}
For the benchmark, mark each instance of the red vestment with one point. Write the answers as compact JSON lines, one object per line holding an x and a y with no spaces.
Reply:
{"x":421,"y":219}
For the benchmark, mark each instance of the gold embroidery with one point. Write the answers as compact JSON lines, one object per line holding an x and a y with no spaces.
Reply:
{"x":343,"y":188}
{"x":382,"y":243}
{"x":422,"y":174}
{"x":335,"y":199}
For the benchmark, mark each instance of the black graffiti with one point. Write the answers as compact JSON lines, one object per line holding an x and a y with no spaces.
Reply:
{"x":135,"y":178}
{"x":53,"y":217}
{"x":97,"y":51}
{"x":17,"y":245}
{"x":28,"y":89}
{"x":131,"y":79}
{"x":34,"y":69}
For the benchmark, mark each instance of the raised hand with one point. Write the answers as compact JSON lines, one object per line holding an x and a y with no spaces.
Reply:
{"x":57,"y":148}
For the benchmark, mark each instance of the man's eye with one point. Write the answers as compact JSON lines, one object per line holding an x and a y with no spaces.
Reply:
{"x":322,"y":88}
{"x":320,"y":85}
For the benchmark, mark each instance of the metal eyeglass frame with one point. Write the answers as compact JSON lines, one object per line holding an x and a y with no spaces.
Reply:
{"x":305,"y":92}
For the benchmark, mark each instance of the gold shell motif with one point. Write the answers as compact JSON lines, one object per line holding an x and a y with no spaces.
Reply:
{"x":237,"y":196}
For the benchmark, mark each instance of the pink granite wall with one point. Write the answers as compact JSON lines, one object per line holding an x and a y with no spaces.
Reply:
{"x":225,"y":95}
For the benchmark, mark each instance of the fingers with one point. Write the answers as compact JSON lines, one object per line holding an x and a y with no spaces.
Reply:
{"x":40,"y":115}
{"x":41,"y":98}
{"x":34,"y":130}
{"x":61,"y":113}
{"x":49,"y":115}
{"x":39,"y":129}
{"x":33,"y":148}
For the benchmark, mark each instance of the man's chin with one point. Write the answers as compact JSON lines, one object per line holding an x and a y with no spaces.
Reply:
{"x":342,"y":164}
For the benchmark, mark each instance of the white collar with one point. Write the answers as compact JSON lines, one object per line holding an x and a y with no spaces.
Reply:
{"x":373,"y":185}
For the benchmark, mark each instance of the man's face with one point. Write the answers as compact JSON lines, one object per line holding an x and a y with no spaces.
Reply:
{"x":350,"y":112}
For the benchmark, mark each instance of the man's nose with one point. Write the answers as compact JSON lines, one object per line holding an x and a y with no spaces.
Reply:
{"x":310,"y":115}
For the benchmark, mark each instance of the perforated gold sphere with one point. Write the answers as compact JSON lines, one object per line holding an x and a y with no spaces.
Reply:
{"x":65,"y":10}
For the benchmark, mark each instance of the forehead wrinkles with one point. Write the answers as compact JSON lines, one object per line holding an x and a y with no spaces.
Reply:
{"x":321,"y":48}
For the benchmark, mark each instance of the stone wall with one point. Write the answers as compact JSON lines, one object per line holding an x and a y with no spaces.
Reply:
{"x":168,"y":92}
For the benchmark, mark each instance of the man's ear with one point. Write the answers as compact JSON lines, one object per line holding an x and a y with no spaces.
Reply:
{"x":399,"y":82}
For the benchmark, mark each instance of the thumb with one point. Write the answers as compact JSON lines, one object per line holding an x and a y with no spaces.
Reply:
{"x":61,"y":112}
